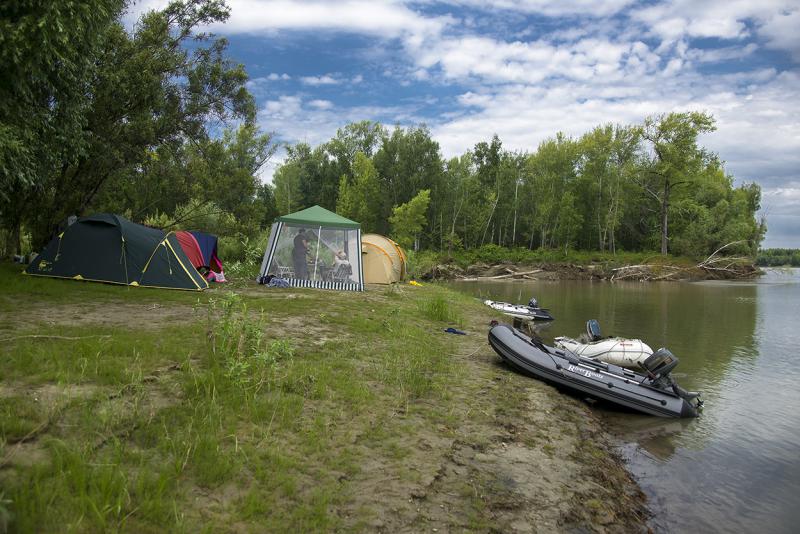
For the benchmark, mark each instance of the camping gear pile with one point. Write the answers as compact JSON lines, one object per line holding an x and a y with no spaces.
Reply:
{"x":630,"y":353}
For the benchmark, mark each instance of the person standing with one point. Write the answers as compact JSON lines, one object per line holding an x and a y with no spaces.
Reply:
{"x":299,"y":255}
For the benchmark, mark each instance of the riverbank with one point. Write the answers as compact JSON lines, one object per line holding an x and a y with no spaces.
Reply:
{"x":503,"y":264}
{"x":143,"y":410}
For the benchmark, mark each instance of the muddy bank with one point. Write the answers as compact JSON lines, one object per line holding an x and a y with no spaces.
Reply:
{"x":518,"y":456}
{"x":595,"y":271}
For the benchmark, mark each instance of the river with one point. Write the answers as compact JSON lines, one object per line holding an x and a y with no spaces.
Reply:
{"x":737,"y":466}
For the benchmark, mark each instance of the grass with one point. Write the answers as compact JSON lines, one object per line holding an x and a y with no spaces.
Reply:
{"x":244,"y":408}
{"x":221,"y":392}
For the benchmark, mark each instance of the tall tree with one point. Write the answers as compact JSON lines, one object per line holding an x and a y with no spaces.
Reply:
{"x":149,"y":90}
{"x":360,"y":198}
{"x":676,"y":158}
{"x":409,"y":219}
{"x":47,"y":62}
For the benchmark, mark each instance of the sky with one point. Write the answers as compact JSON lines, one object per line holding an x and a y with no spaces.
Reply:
{"x":527,"y":69}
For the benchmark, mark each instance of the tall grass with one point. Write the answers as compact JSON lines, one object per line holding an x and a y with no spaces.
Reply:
{"x":438,"y":308}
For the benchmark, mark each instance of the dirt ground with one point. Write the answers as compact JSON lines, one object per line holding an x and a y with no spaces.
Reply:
{"x":530,"y":458}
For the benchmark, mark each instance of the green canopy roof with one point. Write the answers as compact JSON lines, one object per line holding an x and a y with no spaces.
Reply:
{"x":318,"y":216}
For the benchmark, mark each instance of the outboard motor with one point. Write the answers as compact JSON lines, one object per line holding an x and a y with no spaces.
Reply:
{"x":593,"y":330}
{"x":533,"y":303}
{"x":659,"y":366}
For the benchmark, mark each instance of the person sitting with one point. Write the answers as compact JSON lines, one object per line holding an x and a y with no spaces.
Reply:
{"x":340,"y":258}
{"x":341,"y":267}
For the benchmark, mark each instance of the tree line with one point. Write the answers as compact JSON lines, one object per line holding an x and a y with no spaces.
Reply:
{"x":618,"y":187}
{"x":155,"y":122}
{"x":779,"y":257}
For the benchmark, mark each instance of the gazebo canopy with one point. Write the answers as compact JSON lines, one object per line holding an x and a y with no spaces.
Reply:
{"x":318,"y":216}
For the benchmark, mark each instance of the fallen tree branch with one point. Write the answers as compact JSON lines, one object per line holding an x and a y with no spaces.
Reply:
{"x":509,"y":275}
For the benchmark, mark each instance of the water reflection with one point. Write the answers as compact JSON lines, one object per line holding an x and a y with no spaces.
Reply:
{"x":737,"y":467}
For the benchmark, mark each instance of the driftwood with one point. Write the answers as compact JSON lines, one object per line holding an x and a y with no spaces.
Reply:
{"x":510,"y":274}
{"x":724,"y":266}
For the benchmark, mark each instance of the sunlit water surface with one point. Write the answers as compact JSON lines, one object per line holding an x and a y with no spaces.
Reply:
{"x":737,"y":467}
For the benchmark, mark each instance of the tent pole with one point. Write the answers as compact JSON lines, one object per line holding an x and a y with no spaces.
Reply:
{"x":360,"y":260}
{"x":316,"y":257}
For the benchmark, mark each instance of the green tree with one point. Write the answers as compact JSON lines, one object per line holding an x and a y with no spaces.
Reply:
{"x":409,"y":219}
{"x":568,"y":221}
{"x":160,"y":85}
{"x":47,"y":52}
{"x":364,"y":137}
{"x":408,"y":161}
{"x":676,"y":158}
{"x":360,"y":198}
{"x":286,"y":180}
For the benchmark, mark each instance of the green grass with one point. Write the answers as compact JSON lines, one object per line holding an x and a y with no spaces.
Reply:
{"x":241,"y":408}
{"x":256,"y":397}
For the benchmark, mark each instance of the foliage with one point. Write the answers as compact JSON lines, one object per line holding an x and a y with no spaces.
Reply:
{"x":237,"y":339}
{"x":157,"y":88}
{"x":437,"y":308}
{"x":360,"y":198}
{"x":779,"y":257}
{"x":409,"y":219}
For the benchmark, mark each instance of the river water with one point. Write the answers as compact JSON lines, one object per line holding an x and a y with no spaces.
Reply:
{"x":736,"y":468}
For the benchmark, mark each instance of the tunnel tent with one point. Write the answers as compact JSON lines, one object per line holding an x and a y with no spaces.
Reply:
{"x":384,"y":261}
{"x":317,"y":248}
{"x":110,"y":248}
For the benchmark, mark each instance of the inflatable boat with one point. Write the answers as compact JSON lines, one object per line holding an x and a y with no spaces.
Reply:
{"x":630,"y":353}
{"x":653,"y":393}
{"x":529,"y":312}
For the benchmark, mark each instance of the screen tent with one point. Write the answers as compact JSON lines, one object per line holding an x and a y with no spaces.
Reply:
{"x":315,"y":248}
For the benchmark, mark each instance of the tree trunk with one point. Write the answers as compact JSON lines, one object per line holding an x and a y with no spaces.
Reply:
{"x":13,"y":245}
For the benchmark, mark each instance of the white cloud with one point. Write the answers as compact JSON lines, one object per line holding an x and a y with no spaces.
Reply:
{"x":782,"y":31}
{"x":325,"y":79}
{"x":295,"y":118}
{"x":321,"y":104}
{"x":384,"y":19}
{"x":592,"y":8}
{"x":777,"y":20}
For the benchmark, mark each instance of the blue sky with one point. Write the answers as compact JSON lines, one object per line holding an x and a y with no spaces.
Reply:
{"x":526,"y":69}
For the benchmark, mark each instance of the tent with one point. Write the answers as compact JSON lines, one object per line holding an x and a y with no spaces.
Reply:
{"x":201,"y":249}
{"x":384,"y":261}
{"x":110,"y":248}
{"x":315,"y":248}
